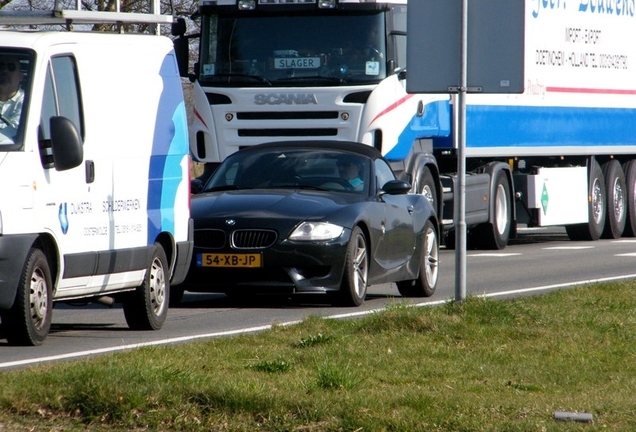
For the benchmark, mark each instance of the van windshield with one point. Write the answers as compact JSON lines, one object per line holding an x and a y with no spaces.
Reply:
{"x":15,"y":76}
{"x":282,"y":51}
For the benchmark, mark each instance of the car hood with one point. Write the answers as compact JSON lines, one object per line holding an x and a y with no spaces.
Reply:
{"x":270,"y":204}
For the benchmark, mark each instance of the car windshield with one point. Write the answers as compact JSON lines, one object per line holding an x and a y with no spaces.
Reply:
{"x":310,"y":169}
{"x":306,"y":50}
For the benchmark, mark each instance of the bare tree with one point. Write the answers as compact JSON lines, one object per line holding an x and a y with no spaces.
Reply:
{"x":167,"y":7}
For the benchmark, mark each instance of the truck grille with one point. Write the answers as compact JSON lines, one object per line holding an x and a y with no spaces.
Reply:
{"x":288,"y":132}
{"x":287,"y":115}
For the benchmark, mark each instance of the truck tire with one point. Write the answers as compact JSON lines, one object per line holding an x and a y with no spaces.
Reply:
{"x":495,"y":234}
{"x":426,"y":186}
{"x":597,"y":206}
{"x":426,"y":282}
{"x":629,"y":169}
{"x":146,"y":308}
{"x":28,"y":322}
{"x":616,"y":202}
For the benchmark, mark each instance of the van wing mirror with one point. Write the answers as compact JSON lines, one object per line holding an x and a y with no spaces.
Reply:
{"x":66,"y":143}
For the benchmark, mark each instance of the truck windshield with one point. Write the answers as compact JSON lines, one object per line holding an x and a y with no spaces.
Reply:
{"x":299,"y":50}
{"x":15,"y":76}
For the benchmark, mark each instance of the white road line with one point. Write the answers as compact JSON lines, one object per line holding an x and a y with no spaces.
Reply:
{"x":569,"y":247}
{"x":493,"y":254}
{"x":633,"y":254}
{"x":139,"y":345}
{"x":169,"y":341}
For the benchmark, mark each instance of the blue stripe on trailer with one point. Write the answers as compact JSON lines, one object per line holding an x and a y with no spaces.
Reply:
{"x":490,"y":126}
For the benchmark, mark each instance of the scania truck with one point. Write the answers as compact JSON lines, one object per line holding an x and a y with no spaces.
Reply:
{"x":562,"y":153}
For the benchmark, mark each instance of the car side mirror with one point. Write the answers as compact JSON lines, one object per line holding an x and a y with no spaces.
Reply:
{"x":196,"y":186}
{"x":396,"y":187}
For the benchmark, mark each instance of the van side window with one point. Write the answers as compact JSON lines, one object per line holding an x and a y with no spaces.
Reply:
{"x":61,"y":95}
{"x":15,"y":84}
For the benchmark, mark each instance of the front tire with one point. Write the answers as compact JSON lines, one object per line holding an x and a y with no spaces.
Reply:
{"x":426,"y":282}
{"x":28,"y":322}
{"x":146,"y":308}
{"x":353,"y":288}
{"x":426,"y":187}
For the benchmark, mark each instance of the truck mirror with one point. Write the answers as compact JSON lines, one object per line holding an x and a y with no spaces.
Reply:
{"x":182,"y":52}
{"x":178,"y":28}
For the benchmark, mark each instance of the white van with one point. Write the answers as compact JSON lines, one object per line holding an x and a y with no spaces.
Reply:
{"x":95,"y":176}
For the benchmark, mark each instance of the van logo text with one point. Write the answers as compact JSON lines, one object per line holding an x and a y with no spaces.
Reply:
{"x":285,"y":98}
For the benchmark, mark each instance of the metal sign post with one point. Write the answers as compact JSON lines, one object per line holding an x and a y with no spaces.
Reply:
{"x":460,"y":47}
{"x":460,"y":192}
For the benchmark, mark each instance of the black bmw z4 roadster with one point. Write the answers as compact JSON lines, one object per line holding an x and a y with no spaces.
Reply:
{"x":310,"y":217}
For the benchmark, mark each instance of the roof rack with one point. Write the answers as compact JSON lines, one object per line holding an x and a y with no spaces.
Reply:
{"x":80,"y":15}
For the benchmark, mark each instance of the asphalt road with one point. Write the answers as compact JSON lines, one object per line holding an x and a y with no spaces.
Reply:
{"x":538,"y":261}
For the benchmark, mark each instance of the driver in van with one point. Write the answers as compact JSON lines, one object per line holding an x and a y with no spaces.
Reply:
{"x":11,"y":96}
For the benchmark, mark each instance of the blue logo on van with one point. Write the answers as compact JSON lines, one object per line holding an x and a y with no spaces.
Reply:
{"x":63,"y":218}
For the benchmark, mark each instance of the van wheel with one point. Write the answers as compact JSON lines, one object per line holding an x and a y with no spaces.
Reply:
{"x":426,"y":282}
{"x":146,"y":308}
{"x":28,"y":322}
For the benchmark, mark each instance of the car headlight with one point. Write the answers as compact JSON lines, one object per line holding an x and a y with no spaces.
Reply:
{"x":316,"y":231}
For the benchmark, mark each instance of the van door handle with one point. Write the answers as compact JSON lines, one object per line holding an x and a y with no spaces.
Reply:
{"x":89,"y":166}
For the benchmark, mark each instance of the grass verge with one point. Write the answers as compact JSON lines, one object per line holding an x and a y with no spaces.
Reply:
{"x":479,"y":365}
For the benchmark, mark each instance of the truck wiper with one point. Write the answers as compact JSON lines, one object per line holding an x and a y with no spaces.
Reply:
{"x":229,"y":76}
{"x":317,"y":78}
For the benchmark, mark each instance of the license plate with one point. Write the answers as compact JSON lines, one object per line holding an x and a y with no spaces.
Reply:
{"x":229,"y":260}
{"x":297,"y":63}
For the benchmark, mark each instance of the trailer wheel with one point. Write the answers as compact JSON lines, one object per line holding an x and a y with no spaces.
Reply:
{"x":146,"y":308}
{"x":29,"y":320}
{"x":426,"y":282}
{"x":616,"y":208}
{"x":629,"y":169}
{"x":495,"y":234}
{"x":593,"y":229}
